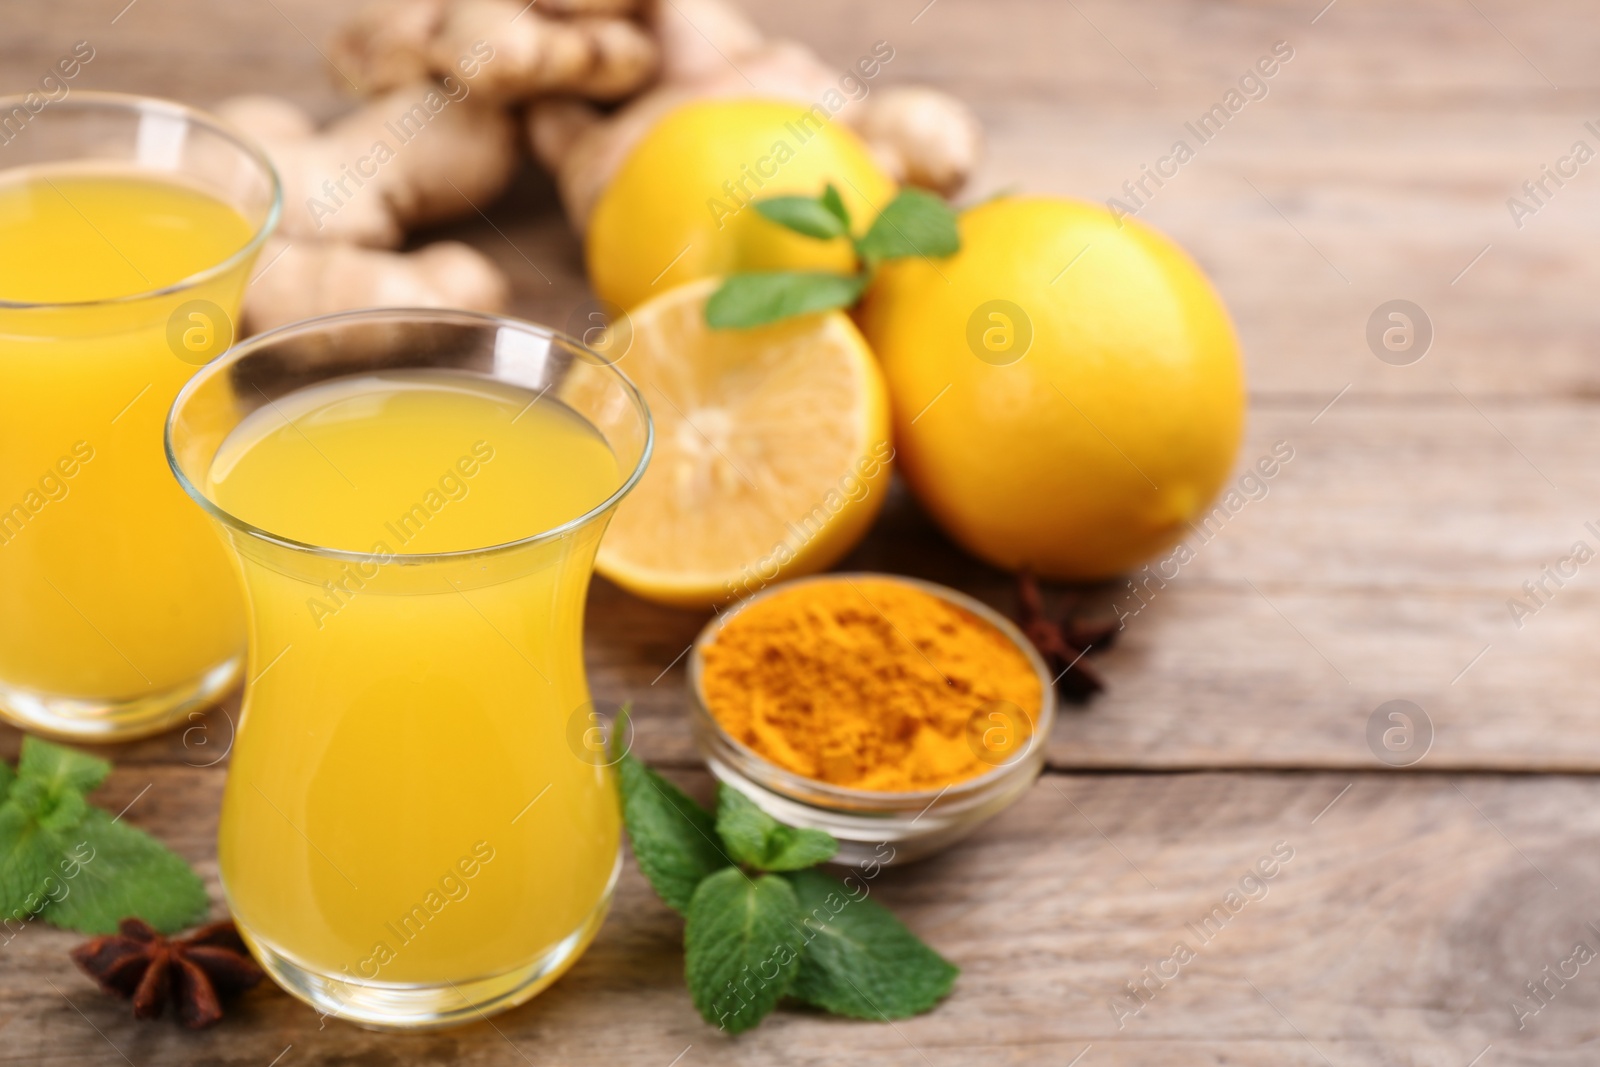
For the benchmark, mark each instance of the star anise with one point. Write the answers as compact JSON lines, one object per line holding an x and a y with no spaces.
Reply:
{"x":1064,"y":643}
{"x":192,"y":972}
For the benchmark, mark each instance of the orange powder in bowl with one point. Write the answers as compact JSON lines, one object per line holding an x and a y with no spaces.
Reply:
{"x":870,"y":683}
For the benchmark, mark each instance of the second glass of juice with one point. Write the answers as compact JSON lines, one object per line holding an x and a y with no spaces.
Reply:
{"x":416,"y":830}
{"x":128,"y":228}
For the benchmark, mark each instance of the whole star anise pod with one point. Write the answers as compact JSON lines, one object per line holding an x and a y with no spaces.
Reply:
{"x":1064,"y":643}
{"x":192,"y":972}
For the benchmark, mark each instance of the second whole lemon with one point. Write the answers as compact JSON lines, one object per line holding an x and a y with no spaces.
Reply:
{"x":1067,"y":389}
{"x":678,"y":208}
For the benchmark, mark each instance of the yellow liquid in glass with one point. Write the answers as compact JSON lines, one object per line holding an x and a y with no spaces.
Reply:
{"x":112,"y":586}
{"x":405,"y":801}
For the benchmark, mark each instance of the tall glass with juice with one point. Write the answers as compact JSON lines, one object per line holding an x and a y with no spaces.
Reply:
{"x":417,"y":827}
{"x":128,"y":228}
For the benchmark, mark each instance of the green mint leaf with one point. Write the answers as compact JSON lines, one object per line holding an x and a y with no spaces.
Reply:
{"x":7,"y":776}
{"x":59,"y":767}
{"x":914,"y":224}
{"x":674,"y":839}
{"x":110,"y":870}
{"x":835,"y":203}
{"x":859,"y":959}
{"x":28,"y":856}
{"x":802,"y":214}
{"x":73,"y":864}
{"x":64,"y":811}
{"x":743,"y":827}
{"x":796,"y":849}
{"x":56,"y":811}
{"x":741,"y":947}
{"x":617,"y":743}
{"x":29,"y":796}
{"x":746,"y":300}
{"x":758,"y":840}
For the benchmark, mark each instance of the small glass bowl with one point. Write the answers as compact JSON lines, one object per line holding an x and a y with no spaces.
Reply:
{"x":872,"y":826}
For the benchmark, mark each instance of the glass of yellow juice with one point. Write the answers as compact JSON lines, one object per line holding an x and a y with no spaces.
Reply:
{"x":128,"y":229}
{"x":419,"y":826}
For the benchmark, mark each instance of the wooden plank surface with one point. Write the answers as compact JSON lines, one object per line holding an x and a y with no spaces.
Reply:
{"x":1378,"y":567}
{"x":1400,"y":931}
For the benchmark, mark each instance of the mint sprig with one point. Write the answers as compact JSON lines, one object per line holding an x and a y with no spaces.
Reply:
{"x":746,"y":300}
{"x":757,"y":840}
{"x":72,"y":864}
{"x":761,"y":923}
{"x":862,"y":961}
{"x":674,"y":839}
{"x":741,"y":947}
{"x":914,"y":223}
{"x":808,"y":215}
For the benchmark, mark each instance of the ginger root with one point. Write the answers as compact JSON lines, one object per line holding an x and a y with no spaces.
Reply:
{"x":507,"y":50}
{"x":298,"y":280}
{"x":439,"y":142}
{"x":418,"y":155}
{"x":421,"y":154}
{"x":920,"y":136}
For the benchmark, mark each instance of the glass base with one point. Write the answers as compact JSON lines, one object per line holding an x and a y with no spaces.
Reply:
{"x":416,"y":1007}
{"x":105,"y":721}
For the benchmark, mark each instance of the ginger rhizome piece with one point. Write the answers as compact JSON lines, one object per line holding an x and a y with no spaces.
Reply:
{"x":438,"y":141}
{"x":418,"y":155}
{"x":300,"y":280}
{"x":506,"y":50}
{"x":919,"y":136}
{"x":424,"y":153}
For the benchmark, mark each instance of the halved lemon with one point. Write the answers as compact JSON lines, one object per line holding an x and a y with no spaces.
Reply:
{"x":772,"y":451}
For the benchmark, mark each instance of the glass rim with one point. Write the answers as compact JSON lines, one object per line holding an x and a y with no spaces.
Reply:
{"x":460,"y":316}
{"x":90,"y":99}
{"x":846,"y":798}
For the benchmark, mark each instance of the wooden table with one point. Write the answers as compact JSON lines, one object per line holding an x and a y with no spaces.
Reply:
{"x":1419,"y":500}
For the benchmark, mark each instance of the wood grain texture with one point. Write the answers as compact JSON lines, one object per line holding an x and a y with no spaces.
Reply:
{"x":1400,"y":931}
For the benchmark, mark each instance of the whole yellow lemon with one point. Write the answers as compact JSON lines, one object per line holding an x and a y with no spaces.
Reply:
{"x":1067,"y":390}
{"x":679,"y":209}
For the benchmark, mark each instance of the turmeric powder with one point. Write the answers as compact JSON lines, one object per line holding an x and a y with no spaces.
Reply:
{"x":870,"y":683}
